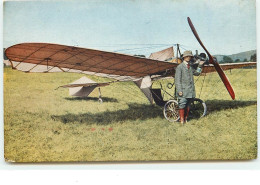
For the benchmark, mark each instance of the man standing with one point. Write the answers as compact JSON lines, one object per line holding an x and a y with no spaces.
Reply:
{"x":184,"y":83}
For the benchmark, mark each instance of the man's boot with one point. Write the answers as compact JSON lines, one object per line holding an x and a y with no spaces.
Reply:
{"x":187,"y":110}
{"x":181,"y":112}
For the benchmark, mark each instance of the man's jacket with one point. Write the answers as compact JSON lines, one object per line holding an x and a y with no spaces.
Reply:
{"x":184,"y":81}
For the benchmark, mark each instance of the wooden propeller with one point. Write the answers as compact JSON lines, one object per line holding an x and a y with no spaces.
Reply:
{"x":212,"y":61}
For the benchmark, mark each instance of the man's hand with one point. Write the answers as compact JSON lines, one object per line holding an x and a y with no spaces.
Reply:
{"x":180,"y":93}
{"x":201,"y":62}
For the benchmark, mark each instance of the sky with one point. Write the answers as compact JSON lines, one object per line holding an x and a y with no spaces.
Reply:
{"x":133,"y":27}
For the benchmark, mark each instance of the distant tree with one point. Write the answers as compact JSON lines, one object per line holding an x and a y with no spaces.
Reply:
{"x":237,"y":60}
{"x":253,"y":58}
{"x":227,"y":59}
{"x":245,"y":60}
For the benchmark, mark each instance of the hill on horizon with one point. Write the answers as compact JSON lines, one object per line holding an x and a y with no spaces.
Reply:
{"x":241,"y":56}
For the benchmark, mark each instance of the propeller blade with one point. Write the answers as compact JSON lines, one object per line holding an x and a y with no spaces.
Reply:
{"x":212,"y":61}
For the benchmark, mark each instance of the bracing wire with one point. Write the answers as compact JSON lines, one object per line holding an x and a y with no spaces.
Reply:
{"x":202,"y":85}
{"x":136,"y":49}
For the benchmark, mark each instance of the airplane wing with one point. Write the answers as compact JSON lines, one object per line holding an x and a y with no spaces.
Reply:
{"x":46,"y":57}
{"x":210,"y":68}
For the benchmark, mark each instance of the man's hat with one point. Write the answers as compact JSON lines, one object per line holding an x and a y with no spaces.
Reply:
{"x":187,"y":54}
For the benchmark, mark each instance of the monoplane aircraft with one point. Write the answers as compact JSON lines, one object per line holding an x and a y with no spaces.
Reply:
{"x":47,"y":58}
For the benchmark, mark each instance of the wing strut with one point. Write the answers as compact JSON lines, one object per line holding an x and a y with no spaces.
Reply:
{"x":212,"y":61}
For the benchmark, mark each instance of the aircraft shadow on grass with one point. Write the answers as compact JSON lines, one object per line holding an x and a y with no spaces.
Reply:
{"x":105,"y":99}
{"x":218,"y":105}
{"x":141,"y":112}
{"x":134,"y":112}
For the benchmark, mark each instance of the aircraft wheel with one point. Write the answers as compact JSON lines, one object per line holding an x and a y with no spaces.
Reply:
{"x":198,"y":108}
{"x":100,"y":100}
{"x":171,"y":111}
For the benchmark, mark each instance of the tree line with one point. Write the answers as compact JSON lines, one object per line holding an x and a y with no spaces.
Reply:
{"x":227,"y":59}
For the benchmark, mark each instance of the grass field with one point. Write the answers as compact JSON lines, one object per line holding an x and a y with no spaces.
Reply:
{"x":44,"y":124}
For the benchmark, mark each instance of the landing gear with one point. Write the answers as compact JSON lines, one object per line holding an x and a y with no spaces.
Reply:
{"x":198,"y":109}
{"x":99,"y":97}
{"x":171,"y":111}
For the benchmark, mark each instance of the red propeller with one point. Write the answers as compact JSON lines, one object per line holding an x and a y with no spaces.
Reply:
{"x":212,"y":61}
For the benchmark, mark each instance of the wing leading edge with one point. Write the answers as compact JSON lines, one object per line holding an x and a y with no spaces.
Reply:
{"x":227,"y":66}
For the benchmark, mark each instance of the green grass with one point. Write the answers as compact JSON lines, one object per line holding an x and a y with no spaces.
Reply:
{"x":44,"y":124}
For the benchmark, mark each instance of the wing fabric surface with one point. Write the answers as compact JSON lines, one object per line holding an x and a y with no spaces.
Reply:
{"x":44,"y":57}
